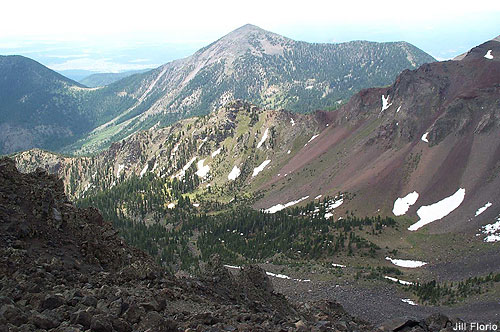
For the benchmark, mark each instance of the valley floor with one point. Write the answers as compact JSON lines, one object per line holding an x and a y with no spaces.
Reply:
{"x":380,"y":300}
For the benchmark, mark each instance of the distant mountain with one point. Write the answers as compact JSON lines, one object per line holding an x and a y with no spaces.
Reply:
{"x":76,"y":74}
{"x":249,"y":64}
{"x":102,"y":79}
{"x":38,"y":107}
{"x":259,"y":66}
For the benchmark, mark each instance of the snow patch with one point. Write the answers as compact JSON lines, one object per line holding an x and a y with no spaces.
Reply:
{"x":202,"y":169}
{"x":174,"y":150}
{"x":385,"y":103}
{"x":121,"y":167}
{"x":410,"y":302}
{"x":338,"y":265}
{"x":335,"y":204}
{"x":406,"y":263}
{"x":288,"y":152}
{"x":424,"y":137}
{"x":401,"y":205}
{"x":279,"y":207}
{"x":402,"y":282}
{"x":318,"y":197}
{"x":144,"y":170}
{"x":314,"y":136}
{"x":488,"y":55}
{"x":235,"y":172}
{"x":233,"y":267}
{"x":436,"y":211}
{"x":483,"y":208}
{"x":292,"y":122}
{"x":282,"y":276}
{"x":185,"y":168}
{"x":196,"y":204}
{"x":260,"y":168}
{"x":492,"y":231}
{"x":263,"y":139}
{"x":216,"y":152}
{"x":399,"y":108}
{"x":171,"y":205}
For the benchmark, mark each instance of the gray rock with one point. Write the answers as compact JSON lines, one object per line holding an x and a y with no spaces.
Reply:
{"x":101,"y":323}
{"x":52,"y":302}
{"x":44,"y":321}
{"x":82,"y":317}
{"x":89,"y":301}
{"x":12,"y":314}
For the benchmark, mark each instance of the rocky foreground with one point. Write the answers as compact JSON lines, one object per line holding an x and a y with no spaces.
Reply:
{"x":66,"y":269}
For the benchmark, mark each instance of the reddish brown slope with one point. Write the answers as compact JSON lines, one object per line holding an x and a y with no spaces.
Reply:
{"x":379,"y":154}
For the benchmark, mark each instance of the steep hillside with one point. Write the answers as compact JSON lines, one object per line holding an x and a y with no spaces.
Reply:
{"x":64,"y":268}
{"x":259,"y":66}
{"x":249,"y":63}
{"x":434,"y":131}
{"x":38,"y":107}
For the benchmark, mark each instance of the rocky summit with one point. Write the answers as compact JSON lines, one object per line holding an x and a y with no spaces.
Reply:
{"x":65,"y":269}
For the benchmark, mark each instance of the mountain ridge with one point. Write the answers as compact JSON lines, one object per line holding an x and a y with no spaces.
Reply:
{"x":248,"y":63}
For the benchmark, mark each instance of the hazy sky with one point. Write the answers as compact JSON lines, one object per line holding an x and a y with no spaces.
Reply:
{"x":119,"y":35}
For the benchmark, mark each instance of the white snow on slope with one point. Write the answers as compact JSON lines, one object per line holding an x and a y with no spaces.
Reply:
{"x":174,"y":150}
{"x":260,"y":168}
{"x":338,"y":265}
{"x":280,"y":276}
{"x":263,"y":139}
{"x":332,"y":205}
{"x":401,"y":205}
{"x":121,"y":167}
{"x":492,"y":231}
{"x":402,"y":282}
{"x":171,"y":205}
{"x":144,"y":170}
{"x":314,"y":136}
{"x":436,"y":211}
{"x":288,"y":152}
{"x":185,"y":168}
{"x":482,"y":209}
{"x":399,"y":108}
{"x":385,"y":103}
{"x":292,"y":122}
{"x":410,"y":302}
{"x":488,"y":55}
{"x":335,"y":204}
{"x":406,"y":263}
{"x":232,"y":267}
{"x":279,"y":207}
{"x":318,"y":197}
{"x":424,"y":137}
{"x":235,"y":172}
{"x":202,"y":169}
{"x":216,"y":152}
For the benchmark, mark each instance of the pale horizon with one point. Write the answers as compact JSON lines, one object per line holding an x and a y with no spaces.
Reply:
{"x":117,"y":36}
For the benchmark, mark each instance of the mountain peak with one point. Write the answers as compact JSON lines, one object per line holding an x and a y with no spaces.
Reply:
{"x":246,"y":31}
{"x":248,"y":27}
